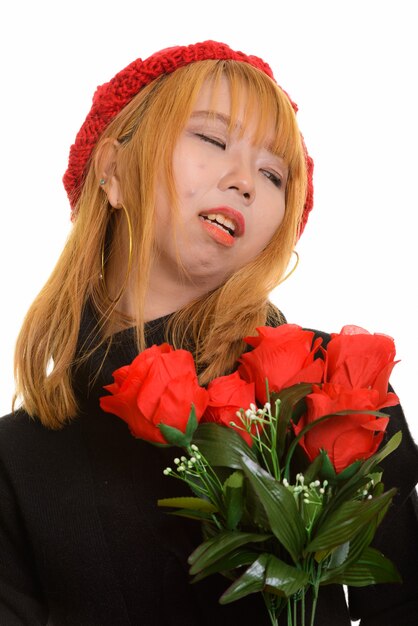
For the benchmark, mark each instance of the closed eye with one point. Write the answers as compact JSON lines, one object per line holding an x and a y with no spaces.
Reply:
{"x":212,"y":140}
{"x":275,"y":178}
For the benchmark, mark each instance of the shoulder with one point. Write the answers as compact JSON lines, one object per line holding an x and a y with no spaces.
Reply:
{"x":20,"y":426}
{"x":17,"y":426}
{"x":29,"y":449}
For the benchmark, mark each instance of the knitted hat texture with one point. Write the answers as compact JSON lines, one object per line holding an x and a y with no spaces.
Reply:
{"x":111,"y":97}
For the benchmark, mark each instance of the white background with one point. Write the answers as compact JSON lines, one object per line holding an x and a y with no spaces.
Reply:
{"x":352,"y":68}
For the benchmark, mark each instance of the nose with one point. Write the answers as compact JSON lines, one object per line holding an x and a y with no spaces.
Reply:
{"x":239,"y":177}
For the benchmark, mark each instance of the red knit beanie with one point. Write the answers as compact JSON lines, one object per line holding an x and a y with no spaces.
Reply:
{"x":110,"y":98}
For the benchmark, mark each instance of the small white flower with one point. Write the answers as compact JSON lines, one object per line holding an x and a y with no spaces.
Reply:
{"x":176,"y":461}
{"x":194,"y":447}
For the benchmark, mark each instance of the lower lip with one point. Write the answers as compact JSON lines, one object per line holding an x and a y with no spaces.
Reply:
{"x":218,"y":234}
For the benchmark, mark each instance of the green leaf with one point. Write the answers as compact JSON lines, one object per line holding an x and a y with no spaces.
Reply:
{"x":254,"y":512}
{"x":234,"y":480}
{"x":376,"y":477}
{"x":280,"y":506}
{"x":221,"y":446}
{"x":267,"y":573}
{"x":231,"y":561}
{"x":356,"y":547}
{"x":348,"y":472}
{"x":192,"y":423}
{"x":289,"y":398}
{"x":234,"y":499}
{"x":371,"y":568}
{"x":191,"y":514}
{"x":313,"y":470}
{"x":219,"y":546}
{"x":344,"y":523}
{"x":328,"y":472}
{"x":251,"y":581}
{"x":197,"y":504}
{"x":174,"y":436}
{"x":282,"y":578}
{"x":339,"y":555}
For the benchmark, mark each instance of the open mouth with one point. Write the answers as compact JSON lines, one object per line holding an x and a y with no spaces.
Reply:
{"x":224,"y":223}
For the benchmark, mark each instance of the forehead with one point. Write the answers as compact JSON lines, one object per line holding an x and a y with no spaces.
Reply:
{"x":214,"y":94}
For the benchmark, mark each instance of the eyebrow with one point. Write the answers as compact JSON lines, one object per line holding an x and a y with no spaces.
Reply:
{"x":226,"y":120}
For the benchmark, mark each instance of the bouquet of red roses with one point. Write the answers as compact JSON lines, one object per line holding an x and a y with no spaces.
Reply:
{"x":282,"y":458}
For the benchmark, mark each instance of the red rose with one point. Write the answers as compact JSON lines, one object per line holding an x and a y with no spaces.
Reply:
{"x":159,"y":386}
{"x":356,"y":358}
{"x":227,"y":395}
{"x":346,"y":438}
{"x":284,"y":355}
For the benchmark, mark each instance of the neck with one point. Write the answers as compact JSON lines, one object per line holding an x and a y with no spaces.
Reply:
{"x":164,"y":296}
{"x":169,"y":289}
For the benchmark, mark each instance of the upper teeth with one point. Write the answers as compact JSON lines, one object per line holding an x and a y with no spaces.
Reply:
{"x":221,"y":219}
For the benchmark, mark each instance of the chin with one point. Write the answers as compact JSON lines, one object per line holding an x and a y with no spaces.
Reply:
{"x":206,"y":275}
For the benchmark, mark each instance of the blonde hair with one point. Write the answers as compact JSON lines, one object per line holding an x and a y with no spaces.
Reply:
{"x":147,"y":130}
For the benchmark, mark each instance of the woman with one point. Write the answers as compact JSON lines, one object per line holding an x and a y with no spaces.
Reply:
{"x":189,"y":184}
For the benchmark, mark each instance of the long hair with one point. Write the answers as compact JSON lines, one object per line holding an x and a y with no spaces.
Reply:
{"x":147,"y":130}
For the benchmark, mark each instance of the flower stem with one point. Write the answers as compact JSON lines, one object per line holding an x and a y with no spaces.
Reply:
{"x":303,"y":608}
{"x":315,"y":592}
{"x":289,"y":614}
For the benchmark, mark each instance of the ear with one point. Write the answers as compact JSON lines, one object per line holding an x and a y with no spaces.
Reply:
{"x":105,"y":168}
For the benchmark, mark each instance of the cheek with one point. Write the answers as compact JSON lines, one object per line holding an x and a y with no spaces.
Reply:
{"x":274,"y":213}
{"x":268,"y":224}
{"x":192,"y":171}
{"x":191,"y":179}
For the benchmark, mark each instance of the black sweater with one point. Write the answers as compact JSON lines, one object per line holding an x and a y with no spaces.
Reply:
{"x":83,"y":543}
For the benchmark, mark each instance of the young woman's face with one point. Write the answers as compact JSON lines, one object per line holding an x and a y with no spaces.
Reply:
{"x":231,"y":196}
